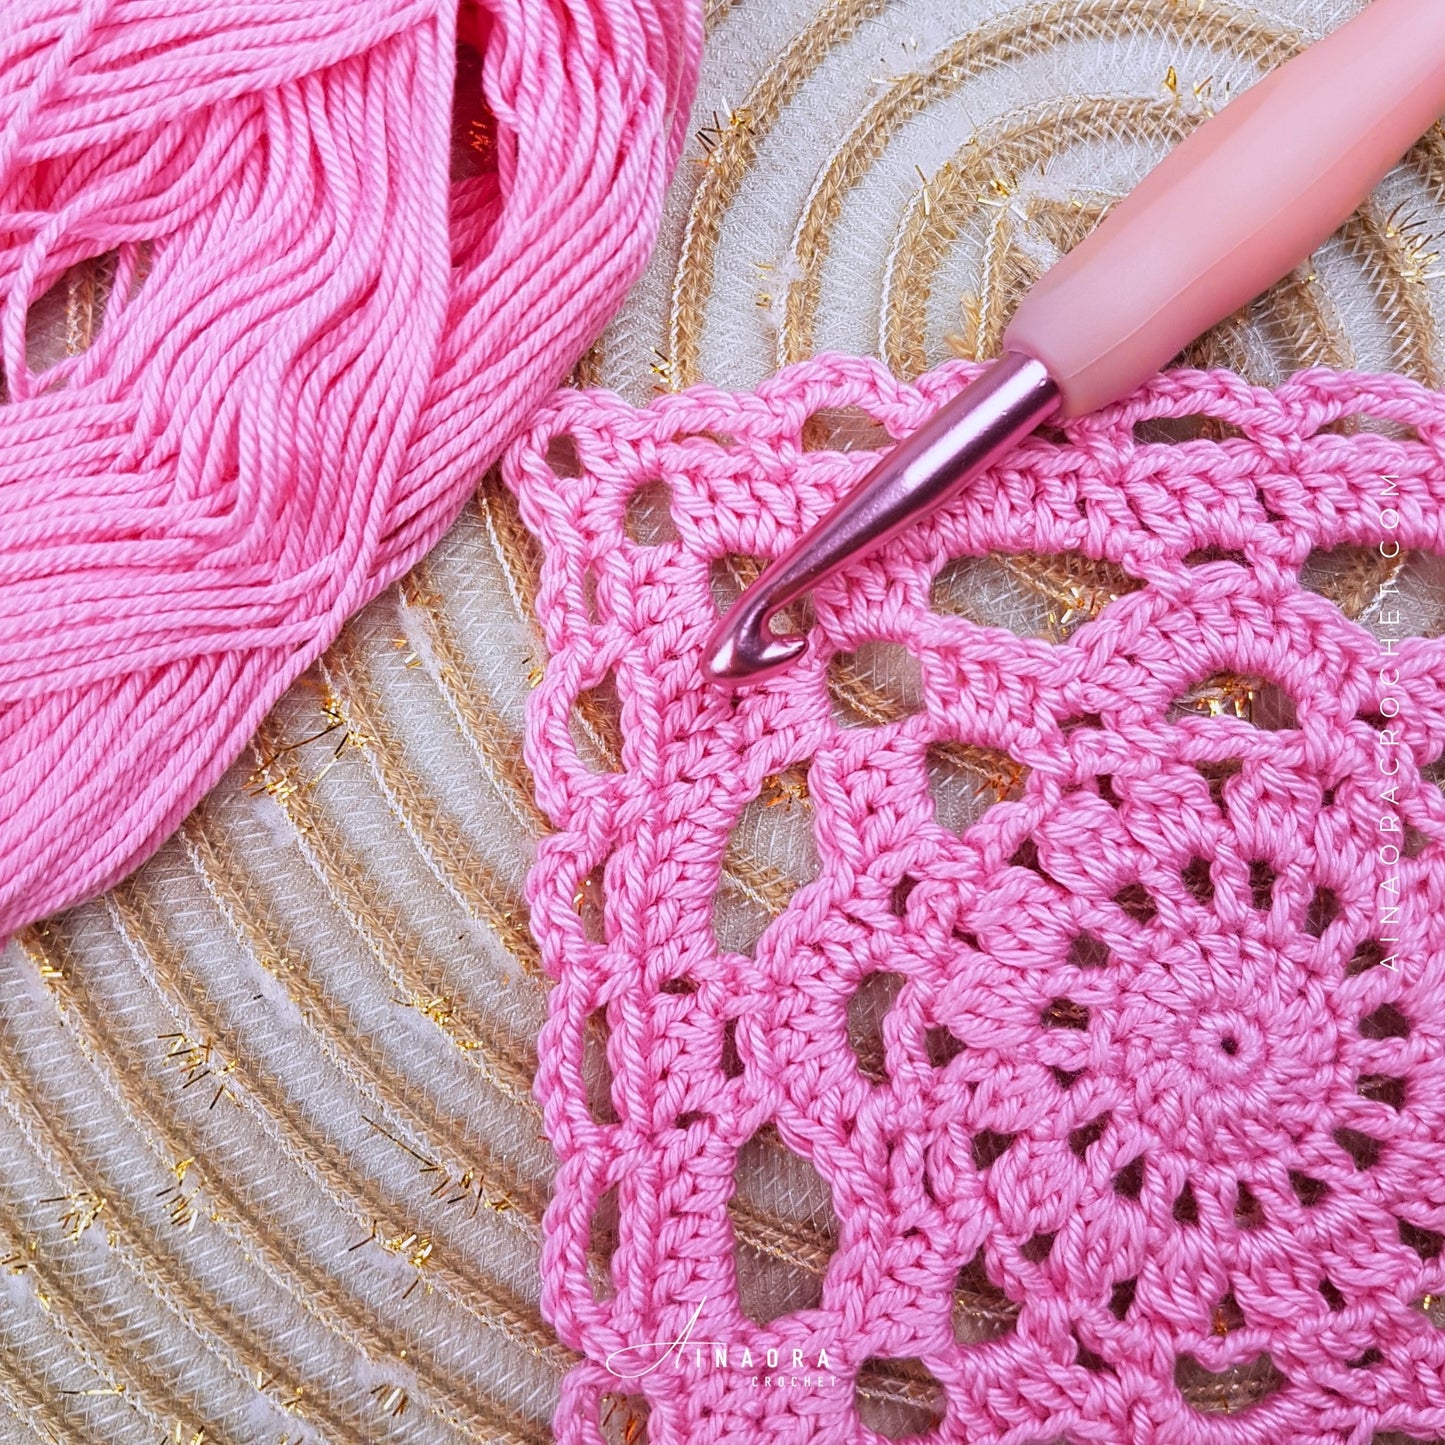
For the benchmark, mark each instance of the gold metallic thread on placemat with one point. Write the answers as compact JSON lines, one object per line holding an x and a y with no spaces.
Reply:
{"x":313,"y":1290}
{"x":726,"y":164}
{"x":405,"y":961}
{"x":997,"y":43}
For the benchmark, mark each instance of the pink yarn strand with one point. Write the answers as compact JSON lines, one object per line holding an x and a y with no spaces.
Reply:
{"x":316,"y":343}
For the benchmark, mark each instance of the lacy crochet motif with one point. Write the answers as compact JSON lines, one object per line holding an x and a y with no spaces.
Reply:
{"x":1190,"y":1107}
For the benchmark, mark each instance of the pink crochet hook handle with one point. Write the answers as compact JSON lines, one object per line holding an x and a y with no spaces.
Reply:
{"x":1246,"y":197}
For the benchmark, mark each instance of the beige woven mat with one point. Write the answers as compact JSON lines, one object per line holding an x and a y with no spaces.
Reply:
{"x":270,"y":1169}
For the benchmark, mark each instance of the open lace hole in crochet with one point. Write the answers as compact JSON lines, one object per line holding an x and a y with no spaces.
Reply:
{"x":1064,"y":1013}
{"x":1086,"y":951}
{"x":1172,"y":430}
{"x":981,"y":1310}
{"x":1216,"y":777}
{"x":647,"y":518}
{"x":1385,"y":1022}
{"x":596,"y":726}
{"x":1227,"y":1316}
{"x":1030,"y":596}
{"x":1197,"y":880}
{"x":941,"y":1045}
{"x":1369,"y":954}
{"x":1026,"y":856}
{"x":1186,"y":1206}
{"x":784,"y":1229}
{"x":728,"y":578}
{"x":563,"y":457}
{"x":590,"y":606}
{"x":1414,"y":605}
{"x":1382,"y":1089}
{"x":1037,"y":1248}
{"x":771,"y":853}
{"x":1349,"y":576}
{"x":622,"y":1419}
{"x":981,"y":590}
{"x":1129,"y":1181}
{"x":590,"y":901}
{"x":989,"y":1147}
{"x":1323,"y":909}
{"x":1427,"y":1243}
{"x":1262,"y":879}
{"x":880,"y":682}
{"x":605,"y":1237}
{"x":874,"y":997}
{"x":1087,"y":1134}
{"x":1137,"y":903}
{"x":1226,"y":1392}
{"x":1203,"y":556}
{"x":596,"y":1070}
{"x":1362,"y":422}
{"x":1248,"y":1211}
{"x":1254,"y":700}
{"x":1434,"y":772}
{"x":844,"y":429}
{"x":902,"y":892}
{"x":730,"y":1061}
{"x":965,"y":782}
{"x":1364,"y":1151}
{"x":1121,"y":1298}
{"x":900,"y":1399}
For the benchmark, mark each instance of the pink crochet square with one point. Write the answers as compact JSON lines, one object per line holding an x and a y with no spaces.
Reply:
{"x":1194,"y":1105}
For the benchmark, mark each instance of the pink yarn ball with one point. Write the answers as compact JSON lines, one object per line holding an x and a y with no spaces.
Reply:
{"x":332,"y":340}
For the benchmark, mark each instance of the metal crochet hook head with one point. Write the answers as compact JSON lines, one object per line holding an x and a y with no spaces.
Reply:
{"x":966,"y":435}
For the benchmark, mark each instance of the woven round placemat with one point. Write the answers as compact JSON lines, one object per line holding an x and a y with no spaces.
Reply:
{"x":270,"y":1166}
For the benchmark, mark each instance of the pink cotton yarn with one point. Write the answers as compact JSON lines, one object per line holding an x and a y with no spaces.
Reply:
{"x":1168,"y":1056}
{"x":332,"y":340}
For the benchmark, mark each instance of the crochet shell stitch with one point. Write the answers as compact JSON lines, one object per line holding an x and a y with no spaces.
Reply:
{"x":1189,"y":1108}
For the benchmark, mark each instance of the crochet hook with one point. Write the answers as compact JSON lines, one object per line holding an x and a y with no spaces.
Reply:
{"x":1232,"y":209}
